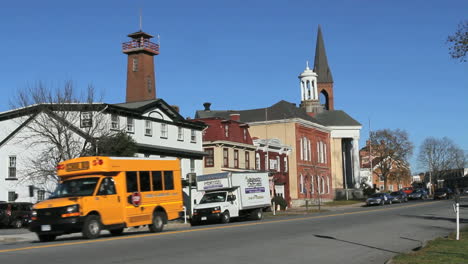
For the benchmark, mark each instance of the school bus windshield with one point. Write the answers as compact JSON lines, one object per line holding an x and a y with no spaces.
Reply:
{"x":76,"y":187}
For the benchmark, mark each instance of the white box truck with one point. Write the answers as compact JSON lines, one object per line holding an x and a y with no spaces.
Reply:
{"x":231,"y":194}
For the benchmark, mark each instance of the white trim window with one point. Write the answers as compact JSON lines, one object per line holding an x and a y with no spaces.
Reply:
{"x":226,"y":130}
{"x":148,"y":128}
{"x":318,"y":151}
{"x":324,"y":153}
{"x":257,"y":161}
{"x":328,"y":184}
{"x":312,"y":187}
{"x":318,"y":185}
{"x":130,"y":125}
{"x":302,"y":148}
{"x":115,"y":124}
{"x":301,"y":184}
{"x":323,"y":185}
{"x":86,"y":119}
{"x":163,"y":130}
{"x":180,"y":133}
{"x":309,"y":152}
{"x":40,"y":195}
{"x":193,"y":136}
{"x":285,"y":164}
{"x":278,"y":162}
{"x":12,"y":196}
{"x":12,"y":167}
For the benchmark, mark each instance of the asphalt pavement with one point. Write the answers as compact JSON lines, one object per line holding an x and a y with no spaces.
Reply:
{"x":343,"y":235}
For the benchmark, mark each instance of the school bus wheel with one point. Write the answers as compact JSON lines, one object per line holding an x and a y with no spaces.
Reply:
{"x":92,"y":227}
{"x":157,"y":223}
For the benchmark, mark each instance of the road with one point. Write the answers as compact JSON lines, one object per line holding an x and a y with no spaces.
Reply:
{"x":355,"y":235}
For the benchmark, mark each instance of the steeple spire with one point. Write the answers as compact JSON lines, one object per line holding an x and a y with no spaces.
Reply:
{"x":321,"y":63}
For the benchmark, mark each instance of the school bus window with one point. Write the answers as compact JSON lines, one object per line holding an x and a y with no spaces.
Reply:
{"x":168,"y":180}
{"x":107,"y":187}
{"x":78,"y":187}
{"x":157,"y":181}
{"x":145,"y":185}
{"x":132,"y":184}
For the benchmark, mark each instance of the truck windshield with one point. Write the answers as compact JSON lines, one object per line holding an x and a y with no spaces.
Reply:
{"x":216,"y":197}
{"x":78,"y":187}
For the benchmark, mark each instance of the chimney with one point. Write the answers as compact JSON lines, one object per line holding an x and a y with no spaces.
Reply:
{"x":207,"y":106}
{"x":176,"y":108}
{"x":235,"y":117}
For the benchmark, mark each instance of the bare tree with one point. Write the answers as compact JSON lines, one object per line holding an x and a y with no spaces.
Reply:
{"x":54,"y":128}
{"x":459,"y":42}
{"x":400,"y":173}
{"x":390,"y":147}
{"x":440,"y":155}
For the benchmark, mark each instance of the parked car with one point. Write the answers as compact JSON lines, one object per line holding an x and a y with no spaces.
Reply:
{"x":443,"y":193}
{"x":15,"y":214}
{"x":407,"y":190}
{"x":379,"y":199}
{"x":418,"y":194}
{"x":399,"y":196}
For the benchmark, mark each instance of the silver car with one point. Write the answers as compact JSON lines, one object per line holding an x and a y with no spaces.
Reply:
{"x":379,"y":199}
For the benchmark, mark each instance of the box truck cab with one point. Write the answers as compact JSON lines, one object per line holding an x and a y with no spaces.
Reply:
{"x":230,"y":195}
{"x":110,"y":193}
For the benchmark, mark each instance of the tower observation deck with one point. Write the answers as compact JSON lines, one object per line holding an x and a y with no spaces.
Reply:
{"x":140,"y":43}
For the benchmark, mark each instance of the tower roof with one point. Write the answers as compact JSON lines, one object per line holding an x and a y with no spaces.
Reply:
{"x":321,"y":63}
{"x":139,"y":34}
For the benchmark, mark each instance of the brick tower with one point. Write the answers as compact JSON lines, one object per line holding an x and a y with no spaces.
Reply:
{"x":141,"y":84}
{"x":324,"y":79}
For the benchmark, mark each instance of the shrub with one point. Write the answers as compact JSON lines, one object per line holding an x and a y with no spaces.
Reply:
{"x":281,"y":201}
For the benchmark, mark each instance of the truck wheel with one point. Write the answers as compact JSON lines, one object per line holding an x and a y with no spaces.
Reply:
{"x":258,"y":214}
{"x":158,"y":222}
{"x":46,"y":238}
{"x":92,"y":227}
{"x":225,"y":217}
{"x":116,"y":232}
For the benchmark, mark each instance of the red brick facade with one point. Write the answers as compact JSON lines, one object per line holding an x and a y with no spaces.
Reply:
{"x":327,"y":88}
{"x":313,"y":164}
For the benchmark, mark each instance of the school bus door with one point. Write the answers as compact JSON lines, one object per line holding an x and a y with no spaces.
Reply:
{"x":110,"y":202}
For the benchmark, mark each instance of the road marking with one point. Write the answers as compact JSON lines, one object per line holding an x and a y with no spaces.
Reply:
{"x":208,"y":228}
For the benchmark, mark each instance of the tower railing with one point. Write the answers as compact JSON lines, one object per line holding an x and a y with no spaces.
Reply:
{"x":140,"y":44}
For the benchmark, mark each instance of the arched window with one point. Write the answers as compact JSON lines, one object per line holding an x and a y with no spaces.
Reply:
{"x":324,"y":100}
{"x":323,"y":185}
{"x":302,"y":149}
{"x":328,"y":184}
{"x":312,"y":187}
{"x":301,"y":184}
{"x":318,"y":185}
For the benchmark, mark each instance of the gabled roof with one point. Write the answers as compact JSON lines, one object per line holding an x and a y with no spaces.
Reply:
{"x":321,"y":63}
{"x":279,"y":111}
{"x":336,"y":118}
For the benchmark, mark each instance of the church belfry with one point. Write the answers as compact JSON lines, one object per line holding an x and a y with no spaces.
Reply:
{"x":324,"y":79}
{"x":141,"y":79}
{"x":309,"y":95}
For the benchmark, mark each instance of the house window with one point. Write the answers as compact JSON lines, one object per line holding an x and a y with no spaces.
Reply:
{"x":225,"y":157}
{"x":318,"y":185}
{"x":257,"y":161}
{"x":309,"y":152}
{"x":163,"y":130}
{"x":302,"y":148}
{"x":130,"y":125}
{"x":318,"y":151}
{"x":12,"y":167}
{"x":86,"y":119}
{"x":148,"y":128}
{"x":328,"y":185}
{"x":193,"y":136}
{"x":12,"y":196}
{"x":301,"y":184}
{"x":278,"y":163}
{"x":114,"y":122}
{"x":226,"y":130}
{"x":247,"y":160}
{"x":209,"y":159}
{"x":135,"y":64}
{"x":324,"y":153}
{"x":180,"y":134}
{"x":312,"y":187}
{"x":236,"y":158}
{"x":40,"y":195}
{"x":285,"y":164}
{"x":245,"y":133}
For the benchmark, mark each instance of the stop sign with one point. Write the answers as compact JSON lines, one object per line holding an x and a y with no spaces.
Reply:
{"x":136,"y":198}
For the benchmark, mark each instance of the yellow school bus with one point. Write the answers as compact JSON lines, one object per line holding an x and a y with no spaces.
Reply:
{"x":112,"y":193}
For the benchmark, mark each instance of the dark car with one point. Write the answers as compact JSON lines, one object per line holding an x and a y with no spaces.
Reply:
{"x":399,"y":196}
{"x":15,"y":214}
{"x":443,"y":193}
{"x":379,"y":199}
{"x":419,"y":194}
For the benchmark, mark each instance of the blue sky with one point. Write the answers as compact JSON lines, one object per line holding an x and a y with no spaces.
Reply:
{"x":389,"y":59}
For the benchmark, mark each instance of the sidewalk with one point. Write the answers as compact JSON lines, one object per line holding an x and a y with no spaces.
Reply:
{"x":30,"y":236}
{"x":314,"y":209}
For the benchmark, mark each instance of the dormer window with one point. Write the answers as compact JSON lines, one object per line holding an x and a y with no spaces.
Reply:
{"x":226,"y":130}
{"x":130,"y":125}
{"x":245,"y":133}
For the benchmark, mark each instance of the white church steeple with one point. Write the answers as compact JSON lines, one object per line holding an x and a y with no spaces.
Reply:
{"x":309,"y":93}
{"x":308,"y":80}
